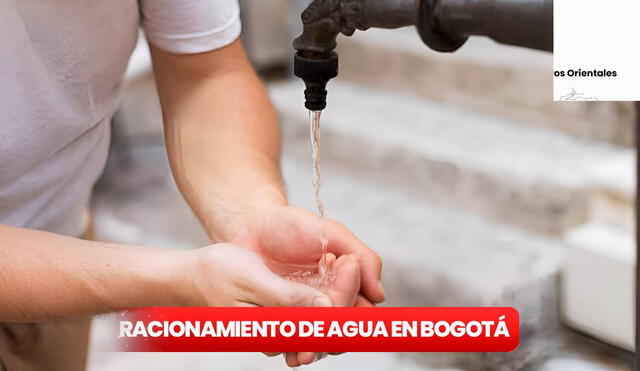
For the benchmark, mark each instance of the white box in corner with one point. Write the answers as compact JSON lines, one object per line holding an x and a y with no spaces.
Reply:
{"x":593,"y":58}
{"x":597,"y":293}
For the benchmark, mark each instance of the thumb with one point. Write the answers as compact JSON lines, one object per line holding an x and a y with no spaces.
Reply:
{"x":344,"y":291}
{"x":271,"y":290}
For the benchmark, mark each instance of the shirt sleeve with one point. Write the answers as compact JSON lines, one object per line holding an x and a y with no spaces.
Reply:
{"x":190,"y":26}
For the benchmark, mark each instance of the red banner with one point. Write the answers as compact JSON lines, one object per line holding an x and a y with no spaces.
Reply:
{"x":318,"y":330}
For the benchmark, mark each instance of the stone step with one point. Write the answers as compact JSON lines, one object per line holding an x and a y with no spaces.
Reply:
{"x":612,"y":199}
{"x":598,"y":293}
{"x":531,"y":177}
{"x":581,"y":353}
{"x":510,"y":82}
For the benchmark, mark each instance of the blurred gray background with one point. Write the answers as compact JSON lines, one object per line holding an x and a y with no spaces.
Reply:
{"x":459,"y":170}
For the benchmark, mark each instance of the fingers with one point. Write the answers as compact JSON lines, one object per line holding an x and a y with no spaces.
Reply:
{"x":343,"y":242}
{"x":243,"y":304}
{"x":307,"y":358}
{"x":292,"y":359}
{"x":363,"y":302}
{"x":298,"y":359}
{"x":330,"y":260}
{"x":344,"y":291}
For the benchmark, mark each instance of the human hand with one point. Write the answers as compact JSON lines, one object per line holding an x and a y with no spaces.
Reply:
{"x":290,"y":237}
{"x":225,"y":275}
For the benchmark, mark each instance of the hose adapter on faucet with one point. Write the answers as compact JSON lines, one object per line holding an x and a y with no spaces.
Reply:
{"x":316,"y":71}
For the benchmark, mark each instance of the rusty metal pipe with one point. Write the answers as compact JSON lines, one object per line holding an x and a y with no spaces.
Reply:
{"x":388,"y":14}
{"x":527,"y":23}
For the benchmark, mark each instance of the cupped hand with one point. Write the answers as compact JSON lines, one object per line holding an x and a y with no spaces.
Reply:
{"x":291,"y":237}
{"x":288,"y":236}
{"x":224,"y":275}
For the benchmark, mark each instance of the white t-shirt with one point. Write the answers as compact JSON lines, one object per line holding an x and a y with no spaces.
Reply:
{"x":61,"y":66}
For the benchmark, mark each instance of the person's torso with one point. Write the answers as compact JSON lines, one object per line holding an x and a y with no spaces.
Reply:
{"x":62,"y":62}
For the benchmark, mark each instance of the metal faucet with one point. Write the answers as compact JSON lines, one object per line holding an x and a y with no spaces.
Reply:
{"x":443,"y":25}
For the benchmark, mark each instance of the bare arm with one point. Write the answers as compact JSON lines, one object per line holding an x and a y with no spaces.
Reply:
{"x":46,"y":276}
{"x":223,"y":141}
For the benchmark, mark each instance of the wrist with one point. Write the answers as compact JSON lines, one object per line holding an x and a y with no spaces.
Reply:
{"x":234,"y":217}
{"x":165,"y":278}
{"x":134,"y":276}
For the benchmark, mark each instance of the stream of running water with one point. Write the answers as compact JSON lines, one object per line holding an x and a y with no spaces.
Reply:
{"x":314,"y":117}
{"x":322,"y":276}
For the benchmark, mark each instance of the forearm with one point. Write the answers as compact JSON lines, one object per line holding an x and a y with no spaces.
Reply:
{"x":47,"y":276}
{"x":222,"y":136}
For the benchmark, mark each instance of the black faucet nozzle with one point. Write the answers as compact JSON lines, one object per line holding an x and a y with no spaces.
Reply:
{"x":316,"y":70}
